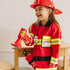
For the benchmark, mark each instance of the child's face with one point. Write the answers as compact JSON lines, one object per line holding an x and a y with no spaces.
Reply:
{"x":42,"y":12}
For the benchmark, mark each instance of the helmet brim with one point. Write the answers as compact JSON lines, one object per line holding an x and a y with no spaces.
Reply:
{"x":56,"y":11}
{"x":34,"y":5}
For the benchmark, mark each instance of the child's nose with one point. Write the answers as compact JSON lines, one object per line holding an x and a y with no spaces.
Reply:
{"x":37,"y":12}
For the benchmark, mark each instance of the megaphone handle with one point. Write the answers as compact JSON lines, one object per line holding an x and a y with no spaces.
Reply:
{"x":27,"y":38}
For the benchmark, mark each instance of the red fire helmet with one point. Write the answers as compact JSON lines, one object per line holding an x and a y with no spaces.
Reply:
{"x":47,"y":3}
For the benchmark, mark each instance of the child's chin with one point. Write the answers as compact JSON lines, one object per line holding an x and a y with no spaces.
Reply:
{"x":39,"y":19}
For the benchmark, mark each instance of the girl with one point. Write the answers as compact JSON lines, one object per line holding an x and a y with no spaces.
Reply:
{"x":45,"y":35}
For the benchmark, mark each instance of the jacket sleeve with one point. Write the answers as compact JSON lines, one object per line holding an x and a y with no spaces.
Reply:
{"x":55,"y":43}
{"x":31,"y":34}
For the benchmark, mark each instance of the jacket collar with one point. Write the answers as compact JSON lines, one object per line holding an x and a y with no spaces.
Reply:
{"x":48,"y":23}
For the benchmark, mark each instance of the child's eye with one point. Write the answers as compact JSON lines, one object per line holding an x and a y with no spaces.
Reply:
{"x":40,"y":9}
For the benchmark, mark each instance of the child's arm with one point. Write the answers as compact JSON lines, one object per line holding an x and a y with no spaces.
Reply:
{"x":55,"y":44}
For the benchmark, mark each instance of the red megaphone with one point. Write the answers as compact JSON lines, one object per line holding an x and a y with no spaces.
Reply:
{"x":22,"y":36}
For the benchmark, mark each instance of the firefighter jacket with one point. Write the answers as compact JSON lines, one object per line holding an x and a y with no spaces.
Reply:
{"x":46,"y":40}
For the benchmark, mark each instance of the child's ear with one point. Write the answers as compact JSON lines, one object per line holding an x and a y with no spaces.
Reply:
{"x":50,"y":10}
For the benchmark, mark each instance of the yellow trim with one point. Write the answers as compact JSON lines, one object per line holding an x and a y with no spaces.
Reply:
{"x":37,"y":43}
{"x":54,"y":62}
{"x":47,"y":38}
{"x":54,"y":58}
{"x":46,"y":68}
{"x":31,"y":34}
{"x":55,"y":43}
{"x":56,"y":39}
{"x":39,"y":39}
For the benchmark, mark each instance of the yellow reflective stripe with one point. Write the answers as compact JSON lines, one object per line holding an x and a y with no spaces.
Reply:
{"x":47,"y":38}
{"x":31,"y":34}
{"x":55,"y":68}
{"x":54,"y":62}
{"x":55,"y":43}
{"x":55,"y":39}
{"x":37,"y":43}
{"x":54,"y":58}
{"x":39,"y":39}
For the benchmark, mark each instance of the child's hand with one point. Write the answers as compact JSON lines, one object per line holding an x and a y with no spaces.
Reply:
{"x":26,"y":42}
{"x":33,"y":64}
{"x":52,"y":65}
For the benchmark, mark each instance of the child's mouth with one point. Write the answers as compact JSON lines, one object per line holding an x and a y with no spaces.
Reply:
{"x":39,"y":15}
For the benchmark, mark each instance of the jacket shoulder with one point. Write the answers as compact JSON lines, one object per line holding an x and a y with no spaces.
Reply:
{"x":54,"y":25}
{"x":33,"y":26}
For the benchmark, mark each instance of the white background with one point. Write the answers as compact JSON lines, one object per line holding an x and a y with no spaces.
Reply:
{"x":17,"y":14}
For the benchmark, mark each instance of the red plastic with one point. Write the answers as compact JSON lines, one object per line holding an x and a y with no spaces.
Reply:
{"x":47,"y":3}
{"x":22,"y":35}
